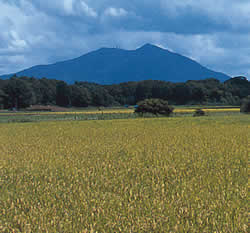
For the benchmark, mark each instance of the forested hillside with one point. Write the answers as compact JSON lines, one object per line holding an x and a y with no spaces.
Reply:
{"x":21,"y":92}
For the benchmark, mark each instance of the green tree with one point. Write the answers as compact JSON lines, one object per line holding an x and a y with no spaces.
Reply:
{"x":2,"y":97}
{"x":197,"y":95}
{"x":63,"y":94}
{"x":161,"y":90}
{"x":144,"y":90}
{"x":80,"y":96}
{"x":128,"y":93}
{"x":19,"y":93}
{"x":155,"y":106}
{"x":238,"y":86}
{"x":181,"y":93}
{"x":245,"y":106}
{"x":48,"y":91}
{"x":100,"y":96}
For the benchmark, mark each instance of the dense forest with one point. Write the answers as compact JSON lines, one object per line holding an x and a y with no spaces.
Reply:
{"x":21,"y":92}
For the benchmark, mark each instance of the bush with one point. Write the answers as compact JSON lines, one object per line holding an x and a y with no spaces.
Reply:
{"x":199,"y":112}
{"x":154,"y":106}
{"x":245,"y":106}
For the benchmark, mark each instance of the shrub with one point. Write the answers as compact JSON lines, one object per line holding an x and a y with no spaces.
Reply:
{"x":245,"y":106}
{"x":154,"y":106}
{"x":199,"y":112}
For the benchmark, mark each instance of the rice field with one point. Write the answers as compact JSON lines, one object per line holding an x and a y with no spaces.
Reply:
{"x":131,"y":175}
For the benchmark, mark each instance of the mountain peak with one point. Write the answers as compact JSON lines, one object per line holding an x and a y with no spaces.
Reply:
{"x":114,"y":65}
{"x":149,"y":46}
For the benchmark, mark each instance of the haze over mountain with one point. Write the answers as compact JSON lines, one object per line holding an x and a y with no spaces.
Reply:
{"x":113,"y":65}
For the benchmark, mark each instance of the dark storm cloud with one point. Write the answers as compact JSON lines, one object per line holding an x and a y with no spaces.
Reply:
{"x":214,"y":32}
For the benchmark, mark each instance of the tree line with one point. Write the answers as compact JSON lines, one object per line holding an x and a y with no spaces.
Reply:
{"x":21,"y":92}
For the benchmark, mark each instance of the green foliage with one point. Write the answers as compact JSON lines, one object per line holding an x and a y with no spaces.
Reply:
{"x":80,"y":96}
{"x":2,"y":96}
{"x":62,"y":94}
{"x":238,"y":87}
{"x":154,"y":106}
{"x":20,"y":92}
{"x":245,"y":106}
{"x":99,"y":95}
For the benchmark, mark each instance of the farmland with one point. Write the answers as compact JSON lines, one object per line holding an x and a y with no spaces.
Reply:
{"x":103,"y":114}
{"x":177,"y":174}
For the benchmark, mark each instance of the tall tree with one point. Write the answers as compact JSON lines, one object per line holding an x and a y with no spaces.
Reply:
{"x":19,"y":93}
{"x":80,"y":96}
{"x":63,"y":94}
{"x":2,"y":97}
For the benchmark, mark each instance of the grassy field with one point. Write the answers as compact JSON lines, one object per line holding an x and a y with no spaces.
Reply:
{"x":104,"y":114}
{"x":132,"y":175}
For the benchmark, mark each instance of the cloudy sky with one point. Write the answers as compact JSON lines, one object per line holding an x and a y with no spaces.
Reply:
{"x":215,"y":33}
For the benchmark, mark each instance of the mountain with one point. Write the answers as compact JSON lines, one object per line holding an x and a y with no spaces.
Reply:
{"x":112,"y":65}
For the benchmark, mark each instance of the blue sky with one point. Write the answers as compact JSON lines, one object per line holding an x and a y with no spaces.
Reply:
{"x":215,"y":33}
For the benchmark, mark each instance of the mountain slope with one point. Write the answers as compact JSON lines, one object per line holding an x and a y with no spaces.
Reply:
{"x":109,"y":66}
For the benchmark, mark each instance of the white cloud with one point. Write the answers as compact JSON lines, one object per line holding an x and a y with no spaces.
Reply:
{"x":24,"y":36}
{"x":88,"y":10}
{"x":16,"y":42}
{"x":45,"y":31}
{"x":115,"y":12}
{"x":235,"y":12}
{"x":65,"y":7}
{"x":68,"y":6}
{"x":11,"y":32}
{"x":76,"y":8}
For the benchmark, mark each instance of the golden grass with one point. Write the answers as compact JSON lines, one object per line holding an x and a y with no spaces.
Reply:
{"x":141,"y":175}
{"x":208,"y":110}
